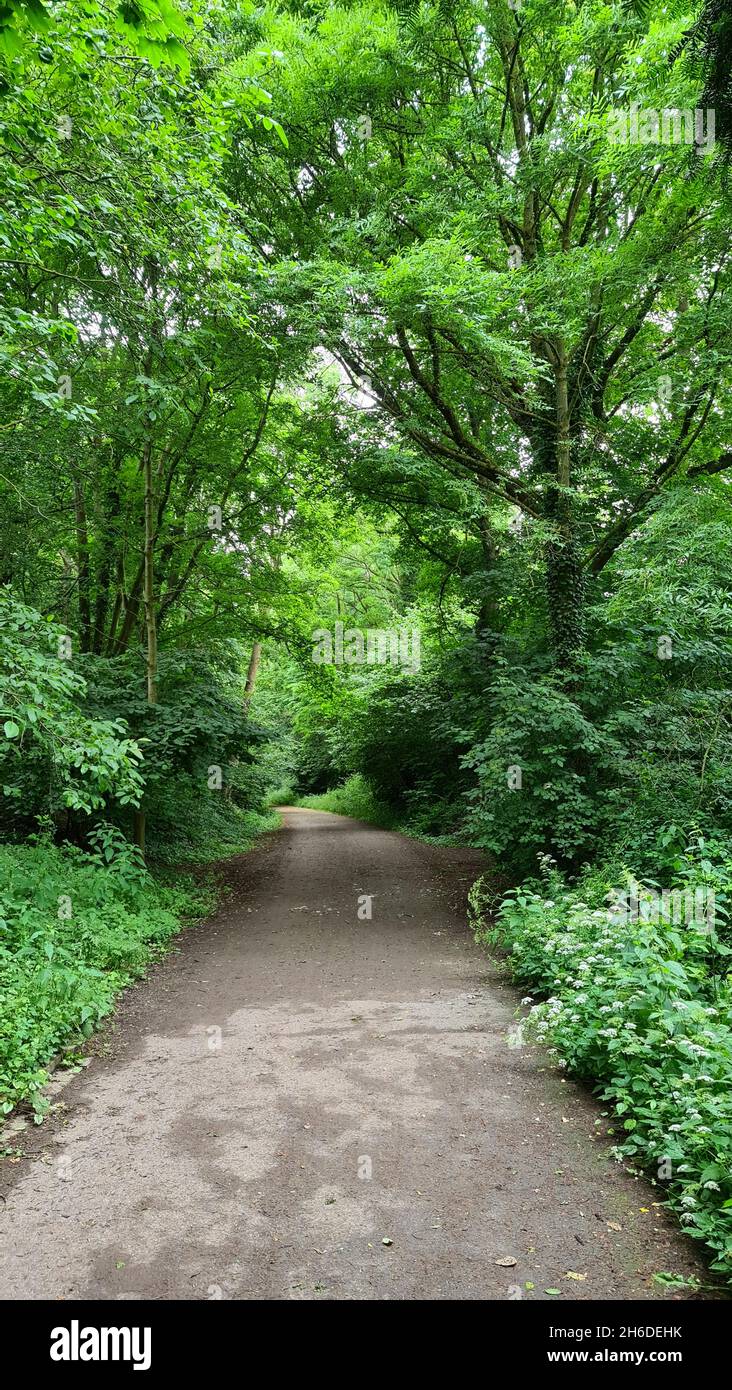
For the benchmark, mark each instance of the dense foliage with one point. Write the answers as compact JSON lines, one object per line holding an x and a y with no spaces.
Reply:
{"x":640,"y":1008}
{"x":378,"y":324}
{"x":77,"y":926}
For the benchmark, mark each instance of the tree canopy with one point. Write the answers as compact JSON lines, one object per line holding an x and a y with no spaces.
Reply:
{"x":363,"y":329}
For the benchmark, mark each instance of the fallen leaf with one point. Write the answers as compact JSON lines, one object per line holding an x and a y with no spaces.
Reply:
{"x":572,"y":1275}
{"x":553,"y":1291}
{"x":507,"y":1261}
{"x":614,"y":1226}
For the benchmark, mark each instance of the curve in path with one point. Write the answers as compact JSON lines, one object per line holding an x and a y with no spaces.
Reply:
{"x":297,"y":1084}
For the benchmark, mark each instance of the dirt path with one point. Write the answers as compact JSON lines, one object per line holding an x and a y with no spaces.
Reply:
{"x":192,"y":1164}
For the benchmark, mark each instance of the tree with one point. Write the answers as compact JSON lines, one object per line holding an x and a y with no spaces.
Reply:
{"x":531,"y":305}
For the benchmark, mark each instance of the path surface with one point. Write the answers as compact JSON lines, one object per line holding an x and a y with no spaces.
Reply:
{"x":178,"y":1168}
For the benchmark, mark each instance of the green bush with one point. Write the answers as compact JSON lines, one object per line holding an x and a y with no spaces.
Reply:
{"x":639,"y":1005}
{"x":539,"y":773}
{"x":632,"y":749}
{"x":354,"y":798}
{"x":54,"y":756}
{"x":76,"y":927}
{"x":191,"y":826}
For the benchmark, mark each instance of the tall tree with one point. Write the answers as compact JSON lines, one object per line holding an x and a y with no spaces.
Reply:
{"x":531,"y":285}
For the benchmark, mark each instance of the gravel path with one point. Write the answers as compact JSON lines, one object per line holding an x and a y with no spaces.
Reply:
{"x":304,"y":1103}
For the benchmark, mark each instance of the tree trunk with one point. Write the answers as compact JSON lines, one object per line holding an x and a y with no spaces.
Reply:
{"x":148,"y":593}
{"x":82,"y":566}
{"x":148,"y":578}
{"x":151,"y":630}
{"x":106,"y":569}
{"x":486,"y":623}
{"x":252,"y":674}
{"x":131,"y":610}
{"x":565,"y":576}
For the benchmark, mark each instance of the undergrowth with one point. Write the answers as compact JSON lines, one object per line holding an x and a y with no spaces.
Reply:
{"x":76,"y":927}
{"x":633,"y":996}
{"x":353,"y":798}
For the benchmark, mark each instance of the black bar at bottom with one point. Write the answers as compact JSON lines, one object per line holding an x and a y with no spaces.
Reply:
{"x":152,"y":1339}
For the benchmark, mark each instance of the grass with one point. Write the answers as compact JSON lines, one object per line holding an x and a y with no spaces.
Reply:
{"x":78,"y":926}
{"x":353,"y":798}
{"x":192,"y":831}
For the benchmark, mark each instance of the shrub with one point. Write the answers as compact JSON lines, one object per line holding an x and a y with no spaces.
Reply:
{"x":538,"y":774}
{"x":76,"y":927}
{"x":355,"y":797}
{"x":53,"y":755}
{"x":641,"y":1009}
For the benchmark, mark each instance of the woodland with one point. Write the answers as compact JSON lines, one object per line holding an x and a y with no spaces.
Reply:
{"x":322,"y":318}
